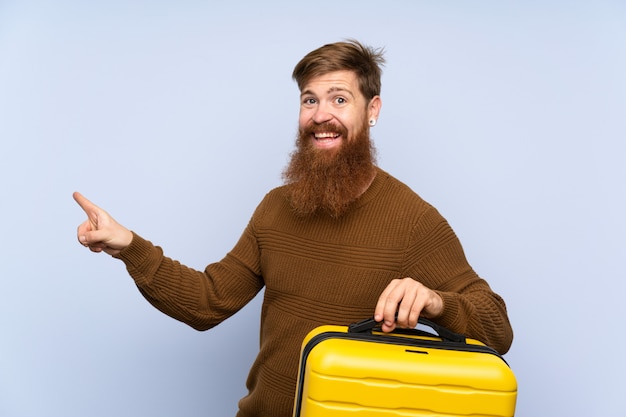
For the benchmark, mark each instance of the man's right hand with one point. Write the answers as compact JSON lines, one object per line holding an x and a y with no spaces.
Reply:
{"x":100,"y":232}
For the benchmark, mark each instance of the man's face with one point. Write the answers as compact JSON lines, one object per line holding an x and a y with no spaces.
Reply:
{"x":334,"y":162}
{"x":333,"y":109}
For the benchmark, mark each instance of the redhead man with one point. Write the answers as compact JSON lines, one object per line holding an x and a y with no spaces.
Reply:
{"x":340,"y":241}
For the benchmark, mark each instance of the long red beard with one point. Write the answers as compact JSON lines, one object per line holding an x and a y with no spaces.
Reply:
{"x":329,"y":180}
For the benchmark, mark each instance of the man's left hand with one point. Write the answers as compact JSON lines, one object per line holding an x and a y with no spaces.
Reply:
{"x":409,"y":299}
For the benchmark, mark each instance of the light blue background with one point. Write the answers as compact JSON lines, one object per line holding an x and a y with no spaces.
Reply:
{"x":177,"y":117}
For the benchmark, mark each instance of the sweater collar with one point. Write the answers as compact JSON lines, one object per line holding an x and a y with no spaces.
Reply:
{"x":374,"y":188}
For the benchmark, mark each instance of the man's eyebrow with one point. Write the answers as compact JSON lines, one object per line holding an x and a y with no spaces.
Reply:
{"x":333,"y":89}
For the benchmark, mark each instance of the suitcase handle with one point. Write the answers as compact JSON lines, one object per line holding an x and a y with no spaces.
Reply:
{"x":369,"y":324}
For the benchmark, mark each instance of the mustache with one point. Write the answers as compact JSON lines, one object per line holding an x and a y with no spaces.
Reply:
{"x":313,"y":128}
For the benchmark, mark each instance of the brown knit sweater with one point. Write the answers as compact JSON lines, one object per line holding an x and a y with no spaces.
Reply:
{"x":317,"y":271}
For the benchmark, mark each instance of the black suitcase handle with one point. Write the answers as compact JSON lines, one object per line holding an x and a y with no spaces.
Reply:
{"x":446,"y":334}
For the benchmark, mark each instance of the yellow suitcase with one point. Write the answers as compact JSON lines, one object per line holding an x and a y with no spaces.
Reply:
{"x":357,"y":371}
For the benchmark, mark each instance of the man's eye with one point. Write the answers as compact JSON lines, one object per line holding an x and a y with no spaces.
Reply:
{"x":308,"y":101}
{"x":340,"y":100}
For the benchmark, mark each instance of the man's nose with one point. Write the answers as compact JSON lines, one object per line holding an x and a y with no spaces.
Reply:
{"x":322,"y":114}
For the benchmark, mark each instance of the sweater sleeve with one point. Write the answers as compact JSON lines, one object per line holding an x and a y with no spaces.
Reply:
{"x":470,"y":307}
{"x":201,"y":299}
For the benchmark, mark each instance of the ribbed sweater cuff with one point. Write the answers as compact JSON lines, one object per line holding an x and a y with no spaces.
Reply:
{"x":141,"y":258}
{"x":450,"y":316}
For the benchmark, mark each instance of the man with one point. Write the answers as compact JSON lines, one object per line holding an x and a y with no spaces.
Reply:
{"x":340,"y":241}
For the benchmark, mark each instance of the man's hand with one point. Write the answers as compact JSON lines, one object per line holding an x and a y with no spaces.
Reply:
{"x":100,"y":232}
{"x":408,"y":298}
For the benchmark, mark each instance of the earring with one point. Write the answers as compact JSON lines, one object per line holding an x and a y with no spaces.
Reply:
{"x":372,"y":122}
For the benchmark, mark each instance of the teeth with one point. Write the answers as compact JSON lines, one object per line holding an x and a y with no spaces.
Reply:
{"x":326,"y":135}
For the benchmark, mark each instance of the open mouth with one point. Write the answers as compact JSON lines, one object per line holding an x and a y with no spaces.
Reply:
{"x":326,"y":136}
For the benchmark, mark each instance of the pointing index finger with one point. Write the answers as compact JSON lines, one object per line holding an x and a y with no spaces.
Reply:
{"x":83,"y":202}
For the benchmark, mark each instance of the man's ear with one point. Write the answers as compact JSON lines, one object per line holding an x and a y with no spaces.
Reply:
{"x":373,"y":108}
